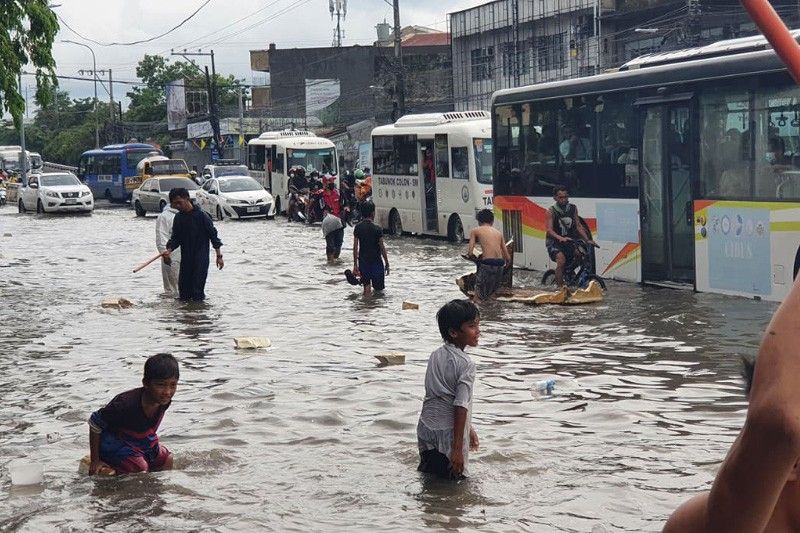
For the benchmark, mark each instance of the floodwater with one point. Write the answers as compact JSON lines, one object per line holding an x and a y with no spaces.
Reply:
{"x":311,"y":434}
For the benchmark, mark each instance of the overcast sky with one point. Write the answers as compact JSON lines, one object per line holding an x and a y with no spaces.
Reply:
{"x":287,"y":23}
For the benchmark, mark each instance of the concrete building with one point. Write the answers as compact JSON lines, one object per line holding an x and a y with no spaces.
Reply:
{"x":511,"y":43}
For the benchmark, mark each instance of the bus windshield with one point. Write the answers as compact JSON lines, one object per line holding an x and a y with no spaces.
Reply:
{"x":169,"y":166}
{"x":321,"y":159}
{"x":483,"y":160}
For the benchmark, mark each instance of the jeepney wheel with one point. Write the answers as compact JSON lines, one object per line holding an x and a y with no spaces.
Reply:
{"x":140,"y":212}
{"x":455,"y":230}
{"x":395,"y":223}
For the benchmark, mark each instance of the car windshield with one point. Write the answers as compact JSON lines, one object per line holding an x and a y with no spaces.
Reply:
{"x":234,"y":170}
{"x":168,"y":184}
{"x":171,"y":166}
{"x":483,"y":160}
{"x":322,"y":159}
{"x":59,"y":179}
{"x":239,"y":185}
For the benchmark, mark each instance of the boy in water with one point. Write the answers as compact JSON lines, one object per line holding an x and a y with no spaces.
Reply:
{"x":757,"y":487}
{"x":123,"y":433}
{"x":494,"y":259}
{"x":333,"y":231}
{"x":368,"y":249}
{"x":445,"y":420}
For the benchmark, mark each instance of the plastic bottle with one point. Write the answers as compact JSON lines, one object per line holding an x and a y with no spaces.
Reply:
{"x":545,"y":387}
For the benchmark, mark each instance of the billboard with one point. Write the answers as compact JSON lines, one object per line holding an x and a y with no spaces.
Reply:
{"x":176,"y":105}
{"x":321,"y":99}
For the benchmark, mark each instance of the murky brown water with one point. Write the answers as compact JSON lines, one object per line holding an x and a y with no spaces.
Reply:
{"x":311,"y":435}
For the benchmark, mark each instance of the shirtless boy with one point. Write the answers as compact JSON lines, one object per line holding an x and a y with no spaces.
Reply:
{"x":757,"y":487}
{"x":494,"y":259}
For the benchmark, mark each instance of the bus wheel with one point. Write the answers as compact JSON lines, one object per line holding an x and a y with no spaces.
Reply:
{"x":138,"y":208}
{"x":455,"y":230}
{"x":395,"y":223}
{"x":107,"y":195}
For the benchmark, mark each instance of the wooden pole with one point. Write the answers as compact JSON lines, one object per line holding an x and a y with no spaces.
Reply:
{"x":137,"y":269}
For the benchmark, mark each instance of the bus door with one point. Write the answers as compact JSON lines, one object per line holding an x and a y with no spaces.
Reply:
{"x":428,"y":175}
{"x":665,"y":208}
{"x":269,"y":163}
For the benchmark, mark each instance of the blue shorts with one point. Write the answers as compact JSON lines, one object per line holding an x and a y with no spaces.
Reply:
{"x":372,"y":273}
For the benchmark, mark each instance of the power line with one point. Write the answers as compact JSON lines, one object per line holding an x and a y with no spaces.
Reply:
{"x":181,"y":23}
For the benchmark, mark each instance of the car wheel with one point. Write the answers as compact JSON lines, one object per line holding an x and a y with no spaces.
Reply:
{"x":455,"y":230}
{"x":137,"y":206}
{"x":220,"y":215}
{"x":21,"y":206}
{"x":39,"y":207}
{"x":162,"y":205}
{"x":395,"y":223}
{"x":277,"y":205}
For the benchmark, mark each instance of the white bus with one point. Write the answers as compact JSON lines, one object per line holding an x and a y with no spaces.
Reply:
{"x":432,"y":173}
{"x":273,"y":153}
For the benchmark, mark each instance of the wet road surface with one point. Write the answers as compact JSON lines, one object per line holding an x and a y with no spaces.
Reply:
{"x":312,"y":434}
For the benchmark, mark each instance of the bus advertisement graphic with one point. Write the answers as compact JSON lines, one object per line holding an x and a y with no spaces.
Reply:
{"x":739,"y":249}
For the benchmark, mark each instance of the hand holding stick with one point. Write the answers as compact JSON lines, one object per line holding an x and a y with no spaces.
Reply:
{"x":137,"y":269}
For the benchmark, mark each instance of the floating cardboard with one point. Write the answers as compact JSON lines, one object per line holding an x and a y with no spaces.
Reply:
{"x":409,"y":305}
{"x":250,"y":343}
{"x":591,"y":294}
{"x":391,"y":358}
{"x":117,"y":303}
{"x":104,"y":470}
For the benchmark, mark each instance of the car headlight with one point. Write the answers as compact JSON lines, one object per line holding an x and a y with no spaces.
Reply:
{"x":85,"y":193}
{"x":52,"y":194}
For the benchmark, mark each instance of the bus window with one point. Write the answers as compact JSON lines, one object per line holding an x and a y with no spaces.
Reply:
{"x":442,"y":157}
{"x":777,"y":144}
{"x":108,"y":164}
{"x":86,"y":166}
{"x":136,"y":156}
{"x":576,"y":119}
{"x":460,"y":157}
{"x":725,"y":133}
{"x":256,"y":157}
{"x":483,"y":160}
{"x":277,"y":164}
{"x":617,"y":169}
{"x":395,"y":154}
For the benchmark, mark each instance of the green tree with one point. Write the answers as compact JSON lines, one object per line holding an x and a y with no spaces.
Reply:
{"x":27,"y":31}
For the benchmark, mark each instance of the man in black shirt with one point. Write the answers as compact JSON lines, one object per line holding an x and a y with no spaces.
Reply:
{"x":368,"y":248}
{"x":191,"y":231}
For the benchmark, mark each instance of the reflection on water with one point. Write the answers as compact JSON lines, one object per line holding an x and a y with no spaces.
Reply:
{"x":312,"y":434}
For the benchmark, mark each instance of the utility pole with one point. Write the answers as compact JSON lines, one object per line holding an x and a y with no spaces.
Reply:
{"x":213,"y":103}
{"x":23,"y":156}
{"x":241,"y":126}
{"x":400,"y":82}
{"x":111,"y":107}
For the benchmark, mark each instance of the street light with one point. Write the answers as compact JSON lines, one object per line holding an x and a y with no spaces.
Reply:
{"x":94,"y":75}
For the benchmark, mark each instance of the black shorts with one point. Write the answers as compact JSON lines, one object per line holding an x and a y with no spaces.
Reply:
{"x":566,"y":248}
{"x":436,"y":463}
{"x":333,"y":241}
{"x":372,"y":274}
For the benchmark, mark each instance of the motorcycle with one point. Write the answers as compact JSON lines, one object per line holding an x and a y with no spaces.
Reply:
{"x":296,"y":208}
{"x":316,"y":202}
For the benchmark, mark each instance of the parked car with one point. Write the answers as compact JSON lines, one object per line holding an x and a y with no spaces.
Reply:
{"x":235,"y":197}
{"x":55,"y":191}
{"x":223,"y":167}
{"x":153,"y":194}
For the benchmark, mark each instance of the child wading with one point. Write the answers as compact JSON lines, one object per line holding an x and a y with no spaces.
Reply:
{"x":369,"y":252}
{"x":123,"y":433}
{"x":445,"y":420}
{"x":333,"y":231}
{"x":494,"y":259}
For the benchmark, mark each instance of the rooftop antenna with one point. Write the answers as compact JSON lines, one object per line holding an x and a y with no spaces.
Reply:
{"x":338,"y":9}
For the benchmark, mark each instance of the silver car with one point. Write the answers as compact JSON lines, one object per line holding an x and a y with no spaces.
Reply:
{"x":153,"y":194}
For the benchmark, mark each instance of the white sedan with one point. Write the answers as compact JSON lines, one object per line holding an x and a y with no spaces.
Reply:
{"x":55,"y":192}
{"x":235,"y":197}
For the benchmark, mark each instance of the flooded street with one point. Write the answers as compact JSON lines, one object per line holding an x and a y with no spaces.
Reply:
{"x":312,"y":434}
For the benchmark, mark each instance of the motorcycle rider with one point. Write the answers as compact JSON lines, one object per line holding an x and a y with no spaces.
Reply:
{"x":331,"y":195}
{"x":298,"y":187}
{"x":563,"y":227}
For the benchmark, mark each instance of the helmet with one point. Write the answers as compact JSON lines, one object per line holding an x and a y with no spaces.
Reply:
{"x":359,"y":174}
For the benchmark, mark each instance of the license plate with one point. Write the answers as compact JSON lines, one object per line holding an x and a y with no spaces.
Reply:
{"x":253,"y":209}
{"x":71,"y":201}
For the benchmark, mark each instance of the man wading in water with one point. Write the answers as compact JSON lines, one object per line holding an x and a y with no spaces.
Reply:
{"x":757,"y":488}
{"x":494,"y":259}
{"x":191,"y":232}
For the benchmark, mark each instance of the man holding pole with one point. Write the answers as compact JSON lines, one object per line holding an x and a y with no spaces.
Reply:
{"x":192,"y":230}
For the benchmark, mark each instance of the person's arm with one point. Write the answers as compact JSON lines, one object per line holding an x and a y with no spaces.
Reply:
{"x":753,"y":475}
{"x":211,"y":231}
{"x":382,"y":246}
{"x":355,"y":253}
{"x":457,"y":449}
{"x":94,"y":452}
{"x":472,"y":241}
{"x":506,"y":254}
{"x":550,"y":231}
{"x":581,"y":230}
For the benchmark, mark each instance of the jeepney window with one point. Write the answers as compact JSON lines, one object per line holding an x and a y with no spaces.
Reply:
{"x":777,"y":143}
{"x":460,"y":156}
{"x":442,"y":157}
{"x":726,"y":128}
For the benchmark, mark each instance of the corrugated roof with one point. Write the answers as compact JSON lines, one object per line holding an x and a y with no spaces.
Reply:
{"x":427,"y":39}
